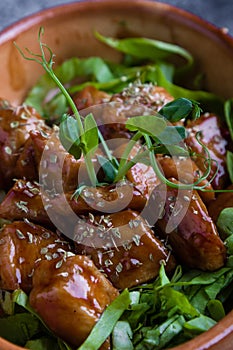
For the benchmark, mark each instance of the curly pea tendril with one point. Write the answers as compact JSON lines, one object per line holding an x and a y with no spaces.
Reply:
{"x":81,"y":135}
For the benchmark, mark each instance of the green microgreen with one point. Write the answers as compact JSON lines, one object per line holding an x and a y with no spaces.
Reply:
{"x":181,"y":108}
{"x":229,"y":159}
{"x":228,"y":109}
{"x":144,"y":48}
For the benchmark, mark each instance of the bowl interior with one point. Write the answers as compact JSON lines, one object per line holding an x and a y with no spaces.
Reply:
{"x":69,"y":32}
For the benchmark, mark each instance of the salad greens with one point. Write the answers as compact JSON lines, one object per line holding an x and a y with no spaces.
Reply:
{"x":167,"y":311}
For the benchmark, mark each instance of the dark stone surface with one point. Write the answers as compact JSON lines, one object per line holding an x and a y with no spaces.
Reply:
{"x":218,"y":12}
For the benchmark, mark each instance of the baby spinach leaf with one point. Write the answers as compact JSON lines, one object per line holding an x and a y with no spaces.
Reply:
{"x":229,"y":159}
{"x":225,"y":222}
{"x":148,"y":124}
{"x":216,"y":309}
{"x":43,"y":343}
{"x":19,"y":328}
{"x":70,"y":136}
{"x":90,"y":138}
{"x":173,"y":150}
{"x":207,"y":100}
{"x":158,"y":337}
{"x":198,"y":325}
{"x":108,"y":168}
{"x":43,"y":93}
{"x":144,"y":48}
{"x":170,"y":298}
{"x":171,"y":135}
{"x":178,"y":109}
{"x":121,"y":336}
{"x":228,"y":109}
{"x":106,"y":323}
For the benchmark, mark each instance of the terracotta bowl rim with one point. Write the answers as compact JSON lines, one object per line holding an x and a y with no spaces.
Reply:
{"x":224,"y":327}
{"x":30,"y":20}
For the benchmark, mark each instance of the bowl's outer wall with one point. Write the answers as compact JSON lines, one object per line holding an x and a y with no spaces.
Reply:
{"x":69,"y":32}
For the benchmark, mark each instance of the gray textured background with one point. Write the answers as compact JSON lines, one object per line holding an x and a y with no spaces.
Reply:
{"x":218,"y":12}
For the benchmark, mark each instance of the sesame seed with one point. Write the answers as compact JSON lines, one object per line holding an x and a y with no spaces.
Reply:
{"x":136,"y":239}
{"x":48,"y":256}
{"x":14,"y":124}
{"x":108,"y":262}
{"x":46,"y":235}
{"x":30,"y":237}
{"x":8,"y":150}
{"x":24,"y":116}
{"x":20,"y":234}
{"x":22,"y":205}
{"x":31,"y":274}
{"x":44,"y":251}
{"x":64,"y":274}
{"x":53,"y":158}
{"x":59,"y":264}
{"x":119,"y":267}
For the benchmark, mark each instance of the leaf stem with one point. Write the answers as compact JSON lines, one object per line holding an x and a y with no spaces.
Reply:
{"x":161,"y":176}
{"x":123,"y":166}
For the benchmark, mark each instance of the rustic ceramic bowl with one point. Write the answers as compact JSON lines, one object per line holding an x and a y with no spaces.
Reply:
{"x":69,"y":32}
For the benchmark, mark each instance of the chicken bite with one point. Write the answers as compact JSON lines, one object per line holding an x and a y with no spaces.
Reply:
{"x":123,"y":247}
{"x":211,"y":134}
{"x":185,"y":223}
{"x":15,"y":125}
{"x":185,"y":170}
{"x":22,"y":246}
{"x":70,"y":296}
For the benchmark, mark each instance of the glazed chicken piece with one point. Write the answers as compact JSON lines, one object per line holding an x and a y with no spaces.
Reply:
{"x":26,"y":199}
{"x":15,"y":125}
{"x":22,"y":245}
{"x":57,"y":168}
{"x":123,"y":247}
{"x":186,"y":171}
{"x":212,"y":136}
{"x":223,"y":200}
{"x":152,"y":96}
{"x":25,"y":166}
{"x":137,"y":99}
{"x":70,"y":297}
{"x":184,"y":221}
{"x":142,"y":176}
{"x":90,"y":96}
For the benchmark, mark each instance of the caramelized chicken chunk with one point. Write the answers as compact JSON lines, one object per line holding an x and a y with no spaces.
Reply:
{"x":152,"y":96}
{"x":59,"y":170}
{"x":137,"y":99}
{"x":123,"y":247}
{"x":26,"y":199}
{"x":185,"y":222}
{"x":25,"y":166}
{"x":22,"y":245}
{"x":90,"y":96}
{"x":186,"y":171}
{"x":211,"y":135}
{"x":70,"y":297}
{"x":15,"y":125}
{"x":142,"y":176}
